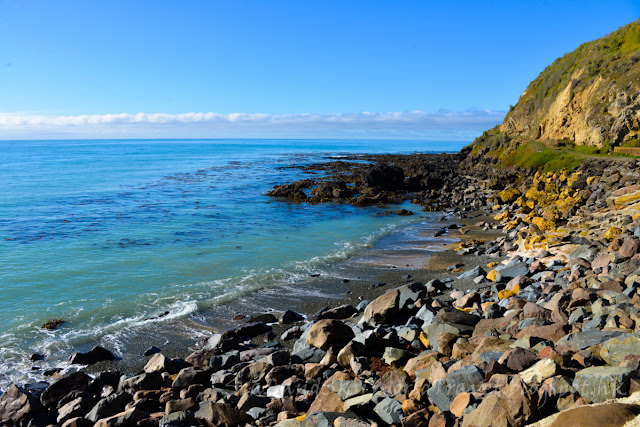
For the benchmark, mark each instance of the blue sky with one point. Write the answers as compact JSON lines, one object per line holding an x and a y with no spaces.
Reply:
{"x":407,"y":69}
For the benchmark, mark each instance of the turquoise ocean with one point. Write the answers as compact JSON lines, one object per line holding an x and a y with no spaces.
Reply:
{"x":122,"y":238}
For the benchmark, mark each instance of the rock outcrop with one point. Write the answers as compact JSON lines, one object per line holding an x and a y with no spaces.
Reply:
{"x":590,"y":96}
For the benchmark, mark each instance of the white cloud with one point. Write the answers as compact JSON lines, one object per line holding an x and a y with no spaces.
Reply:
{"x":409,"y":124}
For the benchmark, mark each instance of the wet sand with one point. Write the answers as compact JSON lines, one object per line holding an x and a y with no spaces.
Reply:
{"x":365,"y":281}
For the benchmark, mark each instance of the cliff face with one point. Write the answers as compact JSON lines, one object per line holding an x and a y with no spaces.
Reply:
{"x":590,"y":96}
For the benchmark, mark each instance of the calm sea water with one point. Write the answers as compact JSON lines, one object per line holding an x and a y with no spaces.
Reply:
{"x":109,"y":233}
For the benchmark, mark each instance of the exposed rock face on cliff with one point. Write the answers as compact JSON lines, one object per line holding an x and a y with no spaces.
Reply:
{"x":590,"y":96}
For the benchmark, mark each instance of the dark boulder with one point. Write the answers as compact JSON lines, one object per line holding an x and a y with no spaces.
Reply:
{"x":384,"y":176}
{"x":264,"y":318}
{"x":253,"y":329}
{"x":151,"y":351}
{"x":97,"y":354}
{"x":424,"y":182}
{"x":331,"y":190}
{"x":56,"y":391}
{"x":109,"y":406}
{"x":292,"y":191}
{"x":290,"y":317}
{"x":223,"y":342}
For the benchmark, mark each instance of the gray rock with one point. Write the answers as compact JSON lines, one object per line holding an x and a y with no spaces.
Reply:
{"x":360,"y":403}
{"x":410,"y":293}
{"x":489,"y":356}
{"x":439,"y":285}
{"x":513,"y":269}
{"x":395,"y":356}
{"x":596,"y":323}
{"x":301,"y":343}
{"x":224,"y":361}
{"x":631,"y":290}
{"x":308,"y":355}
{"x":616,"y":349}
{"x":577,"y":315}
{"x":408,"y":332}
{"x":346,"y":389}
{"x":178,"y":419}
{"x":532,"y":321}
{"x":222,"y":378}
{"x":367,"y":338}
{"x":581,"y":340}
{"x":277,"y":391}
{"x":426,"y":315}
{"x":256,"y":413}
{"x":599,"y":383}
{"x":378,"y":396}
{"x":109,"y":406}
{"x":389,"y":410}
{"x":223,"y":342}
{"x":530,"y":295}
{"x":466,"y":379}
{"x":470,"y":274}
{"x":584,"y":251}
{"x":362,"y":305}
{"x":321,"y":419}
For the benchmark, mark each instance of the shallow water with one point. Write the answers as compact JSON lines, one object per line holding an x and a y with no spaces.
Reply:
{"x":110,"y":233}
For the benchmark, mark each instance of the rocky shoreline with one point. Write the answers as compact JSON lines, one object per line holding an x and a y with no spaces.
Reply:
{"x":535,"y":312}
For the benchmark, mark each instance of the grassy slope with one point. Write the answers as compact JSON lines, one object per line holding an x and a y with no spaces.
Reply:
{"x":546,"y":156}
{"x":615,"y":58}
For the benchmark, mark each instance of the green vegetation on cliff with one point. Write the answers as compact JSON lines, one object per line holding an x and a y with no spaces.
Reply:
{"x":547,"y":156}
{"x":579,"y":107}
{"x":588,"y":96}
{"x":614,"y":57}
